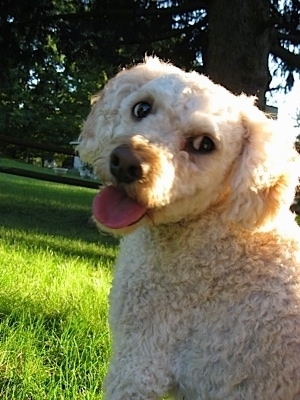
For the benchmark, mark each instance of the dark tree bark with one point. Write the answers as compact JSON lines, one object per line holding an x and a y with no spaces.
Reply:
{"x":239,"y":28}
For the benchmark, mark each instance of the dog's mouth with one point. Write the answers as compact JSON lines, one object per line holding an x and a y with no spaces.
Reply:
{"x":114,"y":209}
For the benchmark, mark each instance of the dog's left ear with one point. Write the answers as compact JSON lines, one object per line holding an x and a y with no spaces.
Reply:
{"x":265,"y":175}
{"x":87,"y":140}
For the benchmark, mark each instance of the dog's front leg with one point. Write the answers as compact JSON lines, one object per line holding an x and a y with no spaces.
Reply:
{"x":138,"y":378}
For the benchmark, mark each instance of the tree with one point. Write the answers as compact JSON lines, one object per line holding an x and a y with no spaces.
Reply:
{"x":55,"y":54}
{"x":230,"y":41}
{"x":248,"y":30}
{"x":43,"y":96}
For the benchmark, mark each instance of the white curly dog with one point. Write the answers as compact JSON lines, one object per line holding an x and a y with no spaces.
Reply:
{"x":205,"y":303}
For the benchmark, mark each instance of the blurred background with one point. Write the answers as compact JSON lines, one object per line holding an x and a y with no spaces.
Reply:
{"x":54,"y":55}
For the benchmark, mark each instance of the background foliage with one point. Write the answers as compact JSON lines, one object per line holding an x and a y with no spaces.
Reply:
{"x":55,"y":54}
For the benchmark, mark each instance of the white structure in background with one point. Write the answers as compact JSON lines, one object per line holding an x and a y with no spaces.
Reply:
{"x":77,"y":163}
{"x":83,"y":169}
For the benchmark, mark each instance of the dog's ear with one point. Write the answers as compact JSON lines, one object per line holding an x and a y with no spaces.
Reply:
{"x":86,"y":147}
{"x":264,"y":178}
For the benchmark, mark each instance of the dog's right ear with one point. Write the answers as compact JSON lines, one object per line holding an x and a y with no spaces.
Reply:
{"x":265,"y":175}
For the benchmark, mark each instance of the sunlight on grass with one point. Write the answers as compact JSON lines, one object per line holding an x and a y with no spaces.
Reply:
{"x":54,"y":282}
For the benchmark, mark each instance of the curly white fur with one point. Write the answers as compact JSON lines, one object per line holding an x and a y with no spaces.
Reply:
{"x":205,"y":302}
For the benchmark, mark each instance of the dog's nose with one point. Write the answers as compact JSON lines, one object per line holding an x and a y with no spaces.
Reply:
{"x":125,"y":165}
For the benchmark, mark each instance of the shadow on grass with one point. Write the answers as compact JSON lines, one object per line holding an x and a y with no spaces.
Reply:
{"x":97,"y":252}
{"x":46,"y":208}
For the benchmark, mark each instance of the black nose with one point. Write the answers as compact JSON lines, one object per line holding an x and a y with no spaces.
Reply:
{"x":125,"y":165}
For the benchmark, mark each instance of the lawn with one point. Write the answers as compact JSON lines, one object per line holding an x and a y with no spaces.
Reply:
{"x":17,"y":164}
{"x":54,"y":281}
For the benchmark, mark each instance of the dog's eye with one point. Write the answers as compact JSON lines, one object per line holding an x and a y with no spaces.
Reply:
{"x":203,"y":144}
{"x":141,"y":110}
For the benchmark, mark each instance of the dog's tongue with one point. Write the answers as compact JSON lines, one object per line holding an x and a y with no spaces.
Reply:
{"x":115,"y":210}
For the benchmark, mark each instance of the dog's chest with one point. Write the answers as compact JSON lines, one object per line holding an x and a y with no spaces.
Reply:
{"x":162,"y":287}
{"x":159,"y":283}
{"x":208,"y":307}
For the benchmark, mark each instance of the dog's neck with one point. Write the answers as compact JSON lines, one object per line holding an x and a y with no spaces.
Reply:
{"x":199,"y":231}
{"x":207,"y":229}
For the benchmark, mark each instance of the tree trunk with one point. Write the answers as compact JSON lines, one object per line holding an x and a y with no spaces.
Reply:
{"x":239,"y":44}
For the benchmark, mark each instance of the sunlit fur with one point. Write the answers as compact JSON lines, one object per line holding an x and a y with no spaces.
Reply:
{"x":205,"y":301}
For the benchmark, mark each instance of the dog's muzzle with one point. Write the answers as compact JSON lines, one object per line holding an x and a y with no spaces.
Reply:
{"x":125,"y":165}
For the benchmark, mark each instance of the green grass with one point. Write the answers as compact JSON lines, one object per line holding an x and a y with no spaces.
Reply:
{"x":54,"y":281}
{"x":6,"y":162}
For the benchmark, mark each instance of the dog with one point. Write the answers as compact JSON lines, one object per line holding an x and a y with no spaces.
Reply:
{"x":205,"y":301}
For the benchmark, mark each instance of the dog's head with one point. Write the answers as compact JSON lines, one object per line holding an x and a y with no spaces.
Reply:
{"x":170,"y":145}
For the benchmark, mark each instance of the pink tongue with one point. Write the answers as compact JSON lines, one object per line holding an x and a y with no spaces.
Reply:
{"x":115,"y":210}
